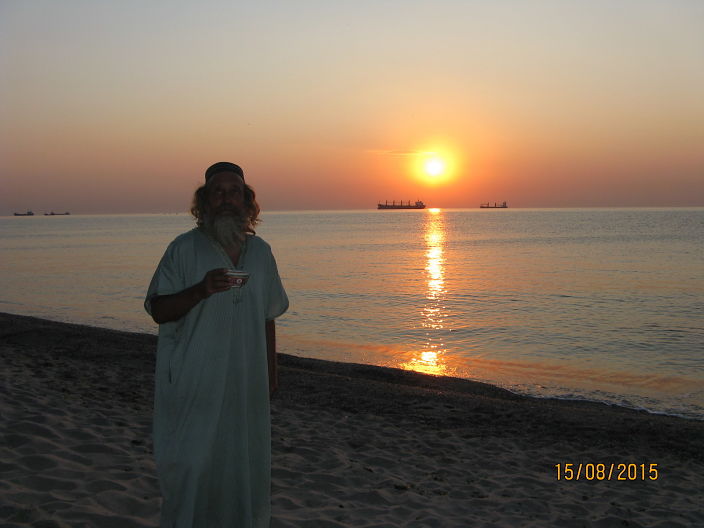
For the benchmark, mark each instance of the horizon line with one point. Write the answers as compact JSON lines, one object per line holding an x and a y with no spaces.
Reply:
{"x":366,"y":209}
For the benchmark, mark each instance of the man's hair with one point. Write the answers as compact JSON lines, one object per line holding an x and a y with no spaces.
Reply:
{"x":199,"y":207}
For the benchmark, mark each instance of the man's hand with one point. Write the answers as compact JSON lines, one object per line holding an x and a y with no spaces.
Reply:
{"x":270,"y":329}
{"x":215,"y":281}
{"x":166,"y":308}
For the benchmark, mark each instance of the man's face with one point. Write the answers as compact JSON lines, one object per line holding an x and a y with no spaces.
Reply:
{"x":226,"y":193}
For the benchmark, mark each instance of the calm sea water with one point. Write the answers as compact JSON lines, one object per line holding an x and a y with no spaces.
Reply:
{"x":596,"y":304}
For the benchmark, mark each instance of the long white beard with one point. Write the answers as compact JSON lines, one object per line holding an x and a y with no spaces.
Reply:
{"x":228,"y":230}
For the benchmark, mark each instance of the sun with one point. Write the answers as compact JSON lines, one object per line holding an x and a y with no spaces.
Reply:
{"x":434,"y":164}
{"x":434,"y":167}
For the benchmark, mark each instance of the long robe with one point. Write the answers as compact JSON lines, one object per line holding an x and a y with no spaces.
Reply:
{"x":212,"y":437}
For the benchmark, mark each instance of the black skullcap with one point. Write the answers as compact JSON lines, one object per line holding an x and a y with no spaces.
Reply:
{"x":223,"y":166}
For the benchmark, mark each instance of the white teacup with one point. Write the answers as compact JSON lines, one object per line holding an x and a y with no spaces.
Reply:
{"x":239,"y":276}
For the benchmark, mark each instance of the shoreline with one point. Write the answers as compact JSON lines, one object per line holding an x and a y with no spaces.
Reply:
{"x":333,"y":365}
{"x":352,"y":445}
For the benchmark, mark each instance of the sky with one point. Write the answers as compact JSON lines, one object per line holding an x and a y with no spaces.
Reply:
{"x":120,"y":106}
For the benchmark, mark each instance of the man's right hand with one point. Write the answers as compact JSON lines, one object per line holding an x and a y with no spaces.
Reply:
{"x":166,"y":308}
{"x":215,"y":281}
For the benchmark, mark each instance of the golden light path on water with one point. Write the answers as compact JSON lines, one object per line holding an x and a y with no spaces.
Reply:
{"x":431,"y":359}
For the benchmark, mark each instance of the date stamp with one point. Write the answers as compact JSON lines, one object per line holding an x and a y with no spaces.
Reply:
{"x":610,"y":471}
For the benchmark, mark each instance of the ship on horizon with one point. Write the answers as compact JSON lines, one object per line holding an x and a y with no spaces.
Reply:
{"x":401,"y":205}
{"x":496,"y":205}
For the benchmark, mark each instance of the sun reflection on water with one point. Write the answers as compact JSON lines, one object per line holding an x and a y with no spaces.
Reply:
{"x":430,"y":359}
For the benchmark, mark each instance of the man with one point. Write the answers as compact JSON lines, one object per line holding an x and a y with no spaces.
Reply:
{"x":216,"y":363}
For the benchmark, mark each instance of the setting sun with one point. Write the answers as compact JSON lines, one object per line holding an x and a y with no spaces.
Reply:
{"x":434,"y":167}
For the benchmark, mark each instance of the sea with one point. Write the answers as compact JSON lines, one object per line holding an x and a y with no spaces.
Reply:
{"x":590,"y":304}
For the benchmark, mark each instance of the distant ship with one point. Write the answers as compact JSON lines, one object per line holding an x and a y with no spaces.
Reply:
{"x":495,"y":206}
{"x":56,"y":214}
{"x":28,"y":213}
{"x":401,"y":205}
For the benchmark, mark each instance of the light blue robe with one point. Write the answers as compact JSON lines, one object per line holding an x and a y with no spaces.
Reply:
{"x":212,"y":438}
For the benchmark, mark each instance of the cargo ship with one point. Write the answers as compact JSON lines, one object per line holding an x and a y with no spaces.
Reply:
{"x":495,"y":206}
{"x":401,"y":205}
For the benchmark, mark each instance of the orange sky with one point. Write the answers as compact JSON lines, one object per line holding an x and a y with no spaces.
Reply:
{"x":118,"y":107}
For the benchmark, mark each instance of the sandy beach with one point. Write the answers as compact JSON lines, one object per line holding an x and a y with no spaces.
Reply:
{"x":353,"y":445}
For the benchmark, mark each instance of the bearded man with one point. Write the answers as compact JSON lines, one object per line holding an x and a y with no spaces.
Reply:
{"x":216,"y":361}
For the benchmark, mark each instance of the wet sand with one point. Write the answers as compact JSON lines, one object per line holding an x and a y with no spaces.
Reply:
{"x":353,"y":445}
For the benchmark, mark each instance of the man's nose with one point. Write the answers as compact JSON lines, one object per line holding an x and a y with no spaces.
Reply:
{"x":230,"y":197}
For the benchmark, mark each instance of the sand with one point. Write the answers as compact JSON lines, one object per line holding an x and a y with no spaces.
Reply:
{"x":353,"y":445}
